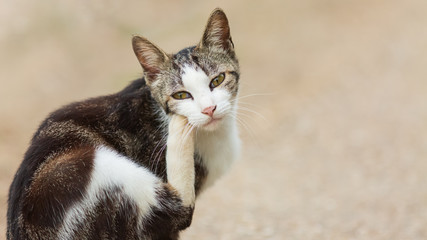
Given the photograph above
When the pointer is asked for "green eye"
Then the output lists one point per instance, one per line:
(181, 95)
(217, 81)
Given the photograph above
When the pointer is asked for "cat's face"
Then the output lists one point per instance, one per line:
(201, 82)
(204, 92)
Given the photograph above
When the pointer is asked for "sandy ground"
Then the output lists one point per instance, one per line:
(333, 105)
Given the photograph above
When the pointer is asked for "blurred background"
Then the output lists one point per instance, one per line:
(333, 105)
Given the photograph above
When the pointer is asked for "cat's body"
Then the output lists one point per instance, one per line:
(129, 165)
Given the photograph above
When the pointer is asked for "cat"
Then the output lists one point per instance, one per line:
(130, 165)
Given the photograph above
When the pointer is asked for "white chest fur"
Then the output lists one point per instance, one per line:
(218, 149)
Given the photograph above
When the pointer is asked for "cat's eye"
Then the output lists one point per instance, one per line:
(217, 81)
(181, 95)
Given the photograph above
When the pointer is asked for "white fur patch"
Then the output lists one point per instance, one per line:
(113, 170)
(219, 149)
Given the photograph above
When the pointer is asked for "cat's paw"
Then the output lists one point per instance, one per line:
(180, 159)
(180, 132)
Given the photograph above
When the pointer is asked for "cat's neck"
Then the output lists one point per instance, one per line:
(218, 149)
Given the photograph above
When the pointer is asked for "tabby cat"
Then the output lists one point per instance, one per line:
(130, 165)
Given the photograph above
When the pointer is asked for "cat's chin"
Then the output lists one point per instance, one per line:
(212, 124)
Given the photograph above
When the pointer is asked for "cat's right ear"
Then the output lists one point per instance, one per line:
(217, 32)
(151, 57)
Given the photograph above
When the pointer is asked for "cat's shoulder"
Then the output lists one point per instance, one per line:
(93, 110)
(137, 90)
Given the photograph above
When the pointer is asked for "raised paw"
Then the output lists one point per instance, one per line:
(180, 159)
(181, 133)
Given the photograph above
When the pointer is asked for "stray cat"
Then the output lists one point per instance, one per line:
(130, 165)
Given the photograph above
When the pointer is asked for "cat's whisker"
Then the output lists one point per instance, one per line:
(247, 118)
(256, 95)
(252, 111)
(246, 103)
(243, 123)
(253, 95)
(248, 129)
(157, 145)
(159, 156)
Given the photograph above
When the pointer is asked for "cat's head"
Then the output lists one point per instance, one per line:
(200, 82)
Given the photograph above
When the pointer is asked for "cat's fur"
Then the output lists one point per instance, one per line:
(129, 165)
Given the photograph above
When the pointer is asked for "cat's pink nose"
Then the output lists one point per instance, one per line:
(209, 110)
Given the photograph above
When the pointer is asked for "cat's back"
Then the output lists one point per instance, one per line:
(87, 149)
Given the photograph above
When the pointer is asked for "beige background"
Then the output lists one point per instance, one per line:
(333, 96)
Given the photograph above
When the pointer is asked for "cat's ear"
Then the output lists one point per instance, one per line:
(217, 32)
(151, 57)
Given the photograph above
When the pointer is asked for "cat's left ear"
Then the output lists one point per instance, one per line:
(151, 57)
(217, 32)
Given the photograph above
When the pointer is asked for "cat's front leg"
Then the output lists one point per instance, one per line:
(180, 159)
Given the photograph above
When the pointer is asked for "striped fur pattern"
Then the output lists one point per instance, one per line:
(130, 165)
